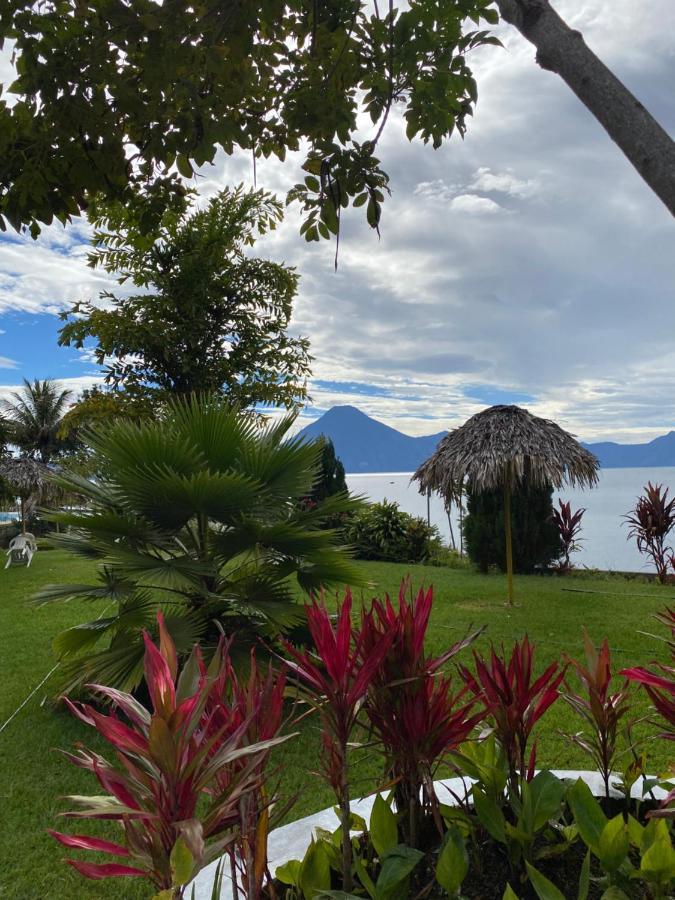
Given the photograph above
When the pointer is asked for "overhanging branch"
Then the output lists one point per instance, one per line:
(562, 50)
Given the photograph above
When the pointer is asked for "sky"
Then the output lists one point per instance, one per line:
(528, 263)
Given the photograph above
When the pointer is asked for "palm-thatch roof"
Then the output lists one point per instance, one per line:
(501, 444)
(24, 475)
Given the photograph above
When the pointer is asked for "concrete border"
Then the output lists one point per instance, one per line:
(290, 841)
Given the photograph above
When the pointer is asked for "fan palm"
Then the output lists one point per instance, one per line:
(34, 417)
(197, 513)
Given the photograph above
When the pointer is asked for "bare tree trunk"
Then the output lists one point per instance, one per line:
(562, 50)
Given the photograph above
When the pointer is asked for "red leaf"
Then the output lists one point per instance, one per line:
(104, 870)
(85, 842)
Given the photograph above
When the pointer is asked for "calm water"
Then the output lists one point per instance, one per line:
(605, 545)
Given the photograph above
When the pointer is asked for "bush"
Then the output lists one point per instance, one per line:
(198, 511)
(383, 531)
(536, 541)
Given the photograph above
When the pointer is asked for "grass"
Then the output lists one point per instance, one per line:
(34, 778)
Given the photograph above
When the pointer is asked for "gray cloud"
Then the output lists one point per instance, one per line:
(530, 256)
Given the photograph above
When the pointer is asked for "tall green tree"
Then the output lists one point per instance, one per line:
(535, 539)
(34, 416)
(117, 99)
(197, 512)
(208, 316)
(331, 479)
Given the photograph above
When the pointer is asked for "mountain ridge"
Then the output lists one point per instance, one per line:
(366, 445)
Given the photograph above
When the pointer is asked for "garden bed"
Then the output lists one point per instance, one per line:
(291, 841)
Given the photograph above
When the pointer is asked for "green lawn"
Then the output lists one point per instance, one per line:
(34, 777)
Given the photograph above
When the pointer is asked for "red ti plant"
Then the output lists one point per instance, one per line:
(660, 687)
(651, 522)
(601, 708)
(661, 690)
(336, 683)
(515, 700)
(168, 759)
(413, 711)
(568, 524)
(254, 707)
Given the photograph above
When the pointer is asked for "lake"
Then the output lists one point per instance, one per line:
(604, 537)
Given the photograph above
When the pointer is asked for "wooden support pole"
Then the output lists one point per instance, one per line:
(507, 532)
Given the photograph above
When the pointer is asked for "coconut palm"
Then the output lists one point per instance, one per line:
(500, 447)
(196, 513)
(34, 416)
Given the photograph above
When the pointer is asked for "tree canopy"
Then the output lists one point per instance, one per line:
(124, 99)
(120, 98)
(208, 318)
(33, 418)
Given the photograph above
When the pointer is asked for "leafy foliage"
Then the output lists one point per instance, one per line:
(411, 706)
(331, 479)
(209, 317)
(601, 708)
(253, 706)
(98, 405)
(169, 758)
(197, 513)
(568, 524)
(535, 538)
(660, 687)
(515, 700)
(650, 523)
(383, 531)
(33, 419)
(171, 86)
(337, 684)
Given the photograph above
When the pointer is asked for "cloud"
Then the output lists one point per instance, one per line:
(7, 363)
(504, 183)
(472, 203)
(528, 259)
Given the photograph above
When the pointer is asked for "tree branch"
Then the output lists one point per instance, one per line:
(562, 50)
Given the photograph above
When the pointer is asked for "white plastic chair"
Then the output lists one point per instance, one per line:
(21, 550)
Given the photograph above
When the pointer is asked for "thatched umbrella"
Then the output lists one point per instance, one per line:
(27, 477)
(498, 447)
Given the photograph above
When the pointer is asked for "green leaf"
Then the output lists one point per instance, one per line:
(289, 873)
(453, 862)
(335, 895)
(396, 867)
(489, 815)
(544, 888)
(182, 862)
(614, 893)
(546, 793)
(314, 872)
(658, 862)
(383, 828)
(509, 893)
(614, 843)
(587, 814)
(184, 166)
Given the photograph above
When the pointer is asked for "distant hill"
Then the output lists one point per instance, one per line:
(366, 445)
(659, 452)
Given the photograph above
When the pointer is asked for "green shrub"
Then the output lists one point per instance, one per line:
(536, 541)
(197, 512)
(383, 531)
(446, 557)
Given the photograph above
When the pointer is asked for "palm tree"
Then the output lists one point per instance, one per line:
(197, 512)
(34, 416)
